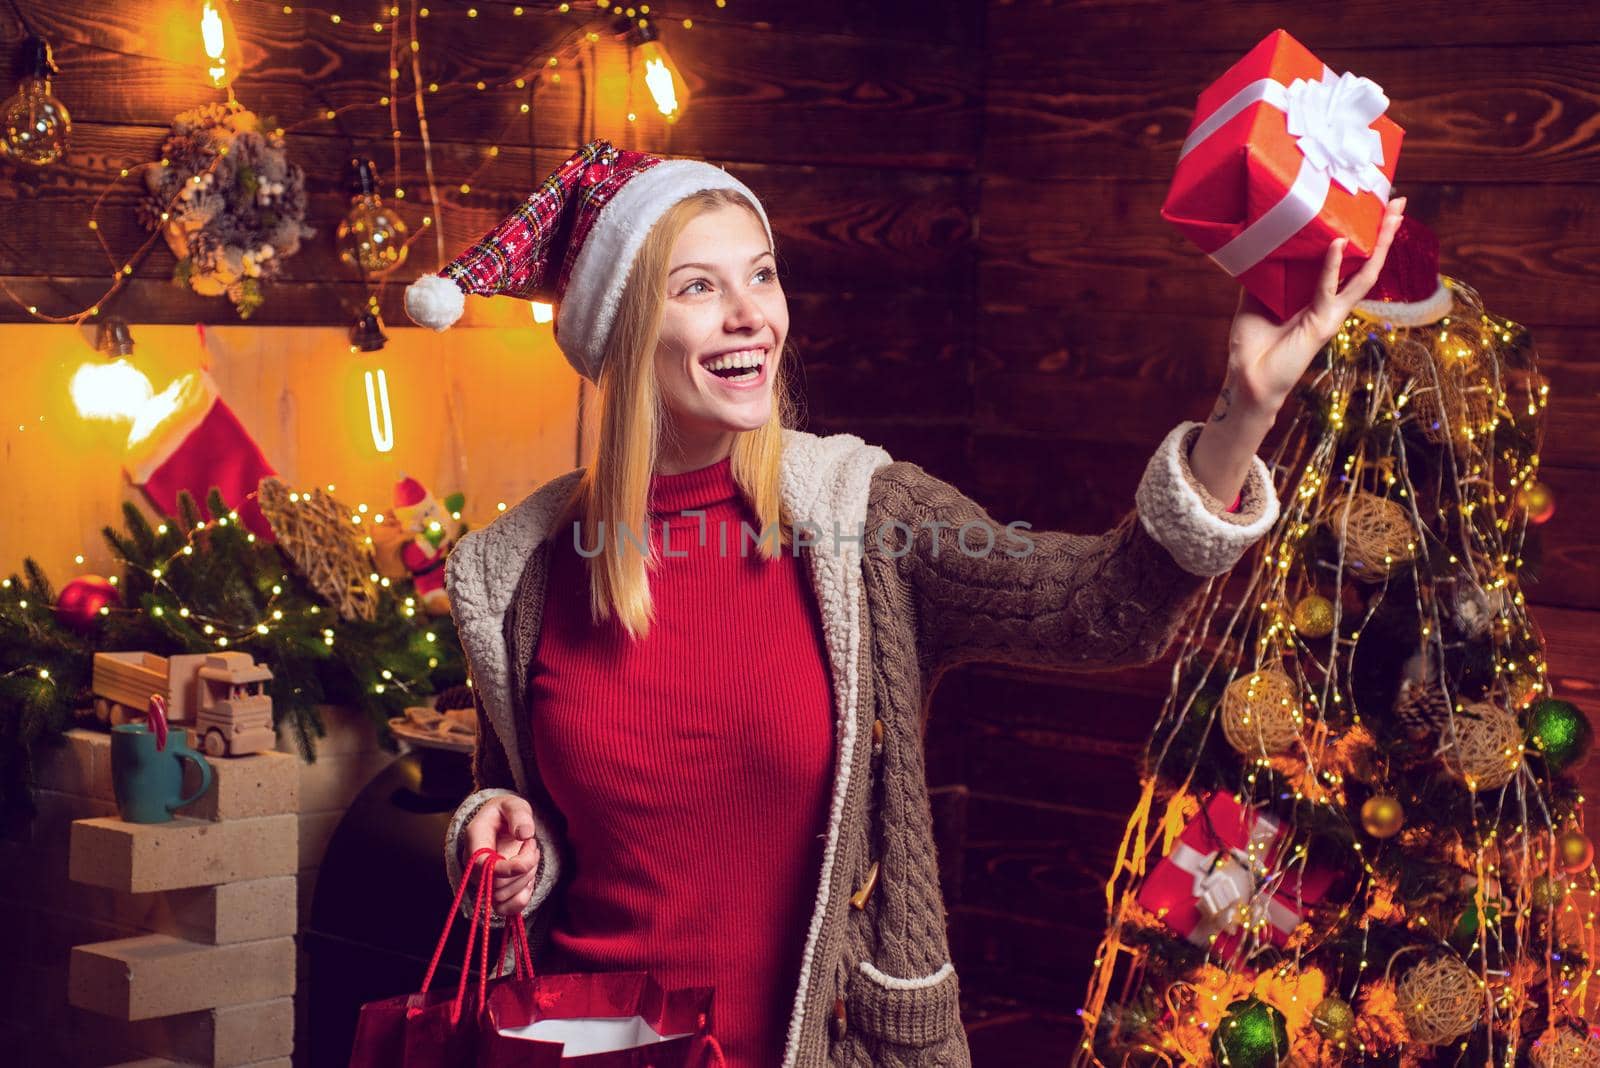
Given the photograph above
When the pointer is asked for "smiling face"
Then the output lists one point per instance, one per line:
(723, 324)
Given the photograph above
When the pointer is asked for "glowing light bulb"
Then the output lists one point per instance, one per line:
(36, 125)
(655, 74)
(220, 43)
(372, 237)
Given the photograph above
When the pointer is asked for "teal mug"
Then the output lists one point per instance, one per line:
(149, 783)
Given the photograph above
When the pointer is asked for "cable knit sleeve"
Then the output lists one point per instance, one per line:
(980, 590)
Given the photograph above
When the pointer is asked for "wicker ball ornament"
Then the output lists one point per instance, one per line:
(1482, 746)
(1441, 1000)
(1565, 1049)
(315, 532)
(1261, 714)
(1376, 532)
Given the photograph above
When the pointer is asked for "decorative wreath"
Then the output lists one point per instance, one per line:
(228, 202)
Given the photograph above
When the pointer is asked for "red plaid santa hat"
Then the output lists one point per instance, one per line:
(572, 243)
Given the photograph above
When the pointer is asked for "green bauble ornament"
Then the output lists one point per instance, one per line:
(1333, 1018)
(1466, 931)
(1251, 1035)
(1560, 732)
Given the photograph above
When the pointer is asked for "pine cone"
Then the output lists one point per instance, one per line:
(1421, 709)
(453, 697)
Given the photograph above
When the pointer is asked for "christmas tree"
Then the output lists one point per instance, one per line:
(1358, 839)
(308, 603)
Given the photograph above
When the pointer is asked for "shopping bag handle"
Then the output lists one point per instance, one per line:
(517, 932)
(483, 862)
(709, 1046)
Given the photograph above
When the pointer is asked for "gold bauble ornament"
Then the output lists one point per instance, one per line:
(1538, 502)
(1565, 1049)
(1382, 816)
(1441, 1000)
(1574, 851)
(1261, 714)
(1546, 893)
(1482, 746)
(1333, 1019)
(1313, 616)
(1377, 534)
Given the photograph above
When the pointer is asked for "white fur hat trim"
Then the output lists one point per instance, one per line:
(435, 302)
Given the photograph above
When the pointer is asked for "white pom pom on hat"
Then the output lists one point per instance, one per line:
(572, 243)
(435, 302)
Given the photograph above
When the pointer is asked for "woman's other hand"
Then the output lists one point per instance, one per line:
(505, 824)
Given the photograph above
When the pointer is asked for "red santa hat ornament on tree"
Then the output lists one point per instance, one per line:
(1409, 291)
(572, 242)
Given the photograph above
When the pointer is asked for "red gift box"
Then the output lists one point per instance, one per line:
(1225, 878)
(1283, 157)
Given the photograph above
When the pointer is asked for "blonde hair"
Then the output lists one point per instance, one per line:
(612, 496)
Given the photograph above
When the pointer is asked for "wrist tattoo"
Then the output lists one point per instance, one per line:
(1224, 402)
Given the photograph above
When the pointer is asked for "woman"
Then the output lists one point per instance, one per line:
(708, 764)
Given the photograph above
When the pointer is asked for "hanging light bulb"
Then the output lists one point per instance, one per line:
(114, 338)
(366, 335)
(36, 123)
(220, 43)
(372, 237)
(114, 390)
(654, 72)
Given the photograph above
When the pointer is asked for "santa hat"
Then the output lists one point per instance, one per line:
(408, 492)
(572, 243)
(1409, 290)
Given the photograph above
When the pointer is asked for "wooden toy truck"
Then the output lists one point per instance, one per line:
(220, 696)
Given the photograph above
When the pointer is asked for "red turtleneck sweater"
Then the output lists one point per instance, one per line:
(694, 768)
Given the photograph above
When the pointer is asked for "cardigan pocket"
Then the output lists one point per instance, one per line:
(907, 1014)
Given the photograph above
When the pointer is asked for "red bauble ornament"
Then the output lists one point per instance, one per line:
(80, 601)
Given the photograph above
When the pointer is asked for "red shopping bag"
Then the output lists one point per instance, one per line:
(605, 1020)
(432, 1028)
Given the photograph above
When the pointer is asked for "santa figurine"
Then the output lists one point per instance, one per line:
(430, 530)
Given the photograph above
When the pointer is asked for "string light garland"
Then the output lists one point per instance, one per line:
(1442, 425)
(190, 584)
(403, 23)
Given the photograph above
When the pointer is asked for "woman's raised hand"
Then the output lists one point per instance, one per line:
(505, 824)
(1266, 359)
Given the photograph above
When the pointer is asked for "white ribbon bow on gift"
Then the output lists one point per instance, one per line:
(1228, 886)
(1332, 122)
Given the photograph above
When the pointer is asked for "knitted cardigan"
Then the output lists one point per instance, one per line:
(876, 983)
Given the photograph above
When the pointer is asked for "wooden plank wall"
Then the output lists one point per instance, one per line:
(858, 124)
(1099, 329)
(1034, 364)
